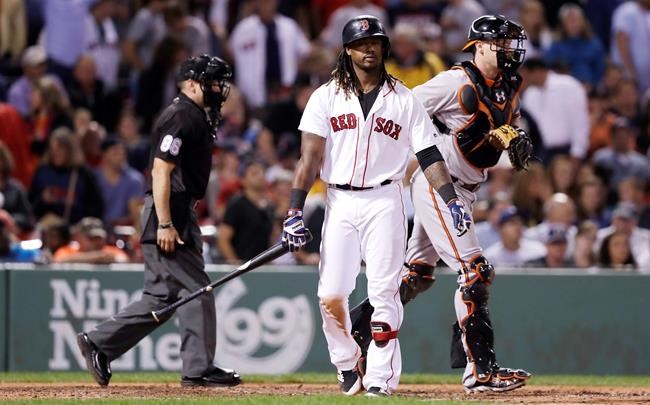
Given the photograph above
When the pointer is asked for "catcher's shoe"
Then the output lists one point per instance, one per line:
(377, 392)
(216, 377)
(349, 381)
(96, 361)
(493, 383)
(507, 373)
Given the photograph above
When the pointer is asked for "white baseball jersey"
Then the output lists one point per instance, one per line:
(440, 97)
(368, 225)
(365, 152)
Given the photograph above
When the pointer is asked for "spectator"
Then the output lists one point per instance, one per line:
(631, 190)
(122, 187)
(556, 244)
(281, 124)
(91, 144)
(561, 172)
(531, 17)
(224, 183)
(15, 134)
(86, 90)
(137, 148)
(11, 249)
(591, 199)
(601, 120)
(456, 17)
(62, 185)
(239, 131)
(487, 231)
(418, 13)
(90, 246)
(34, 64)
(102, 41)
(631, 37)
(615, 252)
(267, 49)
(621, 160)
(192, 31)
(577, 48)
(157, 84)
(599, 13)
(558, 103)
(49, 110)
(625, 219)
(530, 190)
(13, 29)
(146, 30)
(513, 249)
(559, 209)
(585, 241)
(65, 35)
(55, 235)
(248, 221)
(408, 61)
(331, 34)
(624, 100)
(13, 197)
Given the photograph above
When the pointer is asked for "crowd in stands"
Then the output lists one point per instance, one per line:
(82, 82)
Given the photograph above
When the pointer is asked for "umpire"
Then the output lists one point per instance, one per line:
(180, 163)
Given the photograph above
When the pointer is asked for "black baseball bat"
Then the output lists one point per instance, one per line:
(261, 259)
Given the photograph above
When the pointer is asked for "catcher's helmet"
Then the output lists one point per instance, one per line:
(365, 26)
(493, 27)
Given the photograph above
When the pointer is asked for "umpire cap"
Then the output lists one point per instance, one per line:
(364, 26)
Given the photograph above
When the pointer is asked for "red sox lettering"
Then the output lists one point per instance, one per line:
(343, 121)
(388, 127)
(349, 121)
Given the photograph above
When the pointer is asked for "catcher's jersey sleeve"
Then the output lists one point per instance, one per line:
(439, 95)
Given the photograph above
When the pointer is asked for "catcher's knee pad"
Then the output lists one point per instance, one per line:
(419, 279)
(382, 333)
(360, 318)
(479, 276)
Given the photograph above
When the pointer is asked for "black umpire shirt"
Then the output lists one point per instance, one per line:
(182, 135)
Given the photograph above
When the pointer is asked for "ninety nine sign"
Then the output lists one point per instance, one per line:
(256, 333)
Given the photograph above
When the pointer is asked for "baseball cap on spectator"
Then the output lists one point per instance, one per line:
(556, 233)
(34, 56)
(509, 214)
(92, 227)
(109, 143)
(625, 210)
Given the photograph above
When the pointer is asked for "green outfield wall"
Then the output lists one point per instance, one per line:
(269, 322)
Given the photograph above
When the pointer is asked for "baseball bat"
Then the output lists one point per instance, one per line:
(261, 259)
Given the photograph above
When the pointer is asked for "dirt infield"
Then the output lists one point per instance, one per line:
(537, 394)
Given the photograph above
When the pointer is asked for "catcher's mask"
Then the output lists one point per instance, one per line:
(505, 37)
(365, 26)
(208, 71)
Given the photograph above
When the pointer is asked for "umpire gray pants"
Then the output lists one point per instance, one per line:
(167, 277)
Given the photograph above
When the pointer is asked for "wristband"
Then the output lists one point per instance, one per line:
(298, 198)
(166, 226)
(448, 193)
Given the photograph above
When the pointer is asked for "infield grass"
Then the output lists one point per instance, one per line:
(321, 378)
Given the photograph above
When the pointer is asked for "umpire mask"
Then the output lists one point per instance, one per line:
(209, 71)
(506, 38)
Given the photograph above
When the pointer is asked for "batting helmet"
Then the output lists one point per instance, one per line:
(493, 27)
(364, 26)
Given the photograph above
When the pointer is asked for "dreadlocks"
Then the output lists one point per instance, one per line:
(345, 78)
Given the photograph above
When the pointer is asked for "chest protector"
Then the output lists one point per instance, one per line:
(490, 108)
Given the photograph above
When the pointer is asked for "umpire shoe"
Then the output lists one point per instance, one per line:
(96, 361)
(216, 377)
(377, 392)
(349, 381)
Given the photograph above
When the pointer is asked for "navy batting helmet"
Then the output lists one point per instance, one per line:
(364, 26)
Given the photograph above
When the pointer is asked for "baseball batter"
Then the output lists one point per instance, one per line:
(357, 131)
(476, 105)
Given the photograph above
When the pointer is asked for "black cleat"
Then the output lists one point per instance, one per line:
(349, 381)
(96, 361)
(217, 377)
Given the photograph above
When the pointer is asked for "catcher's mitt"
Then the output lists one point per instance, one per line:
(520, 150)
(501, 137)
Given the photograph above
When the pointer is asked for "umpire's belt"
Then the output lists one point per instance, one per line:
(355, 188)
(469, 187)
